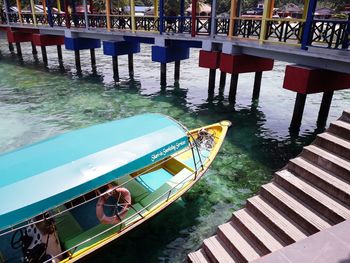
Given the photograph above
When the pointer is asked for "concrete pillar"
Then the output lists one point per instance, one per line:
(257, 85)
(324, 109)
(298, 111)
(34, 51)
(222, 80)
(77, 60)
(131, 65)
(93, 59)
(211, 83)
(233, 88)
(163, 74)
(115, 68)
(177, 71)
(19, 50)
(44, 54)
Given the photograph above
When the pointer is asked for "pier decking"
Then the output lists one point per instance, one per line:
(309, 195)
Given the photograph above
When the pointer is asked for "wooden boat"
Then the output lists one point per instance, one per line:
(72, 194)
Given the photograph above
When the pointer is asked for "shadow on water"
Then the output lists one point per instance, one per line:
(251, 153)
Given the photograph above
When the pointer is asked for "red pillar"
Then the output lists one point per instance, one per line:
(194, 15)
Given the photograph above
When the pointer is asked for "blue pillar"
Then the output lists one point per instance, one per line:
(161, 16)
(182, 14)
(307, 34)
(49, 12)
(347, 35)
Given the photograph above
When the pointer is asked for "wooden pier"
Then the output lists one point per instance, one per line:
(309, 195)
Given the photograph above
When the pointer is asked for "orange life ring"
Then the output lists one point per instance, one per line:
(121, 194)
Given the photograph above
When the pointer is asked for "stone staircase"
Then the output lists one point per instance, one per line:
(310, 194)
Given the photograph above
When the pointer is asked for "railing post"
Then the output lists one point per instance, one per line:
(194, 16)
(132, 11)
(346, 42)
(182, 14)
(155, 12)
(86, 15)
(74, 14)
(18, 2)
(268, 7)
(307, 34)
(232, 18)
(32, 7)
(108, 14)
(6, 6)
(161, 16)
(49, 9)
(59, 6)
(213, 19)
(66, 13)
(44, 9)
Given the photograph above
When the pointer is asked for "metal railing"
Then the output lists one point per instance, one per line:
(325, 33)
(329, 33)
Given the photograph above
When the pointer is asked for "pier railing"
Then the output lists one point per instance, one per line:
(330, 33)
(333, 34)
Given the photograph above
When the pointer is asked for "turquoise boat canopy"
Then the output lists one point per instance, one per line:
(39, 177)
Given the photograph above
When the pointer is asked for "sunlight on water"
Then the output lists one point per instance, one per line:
(38, 102)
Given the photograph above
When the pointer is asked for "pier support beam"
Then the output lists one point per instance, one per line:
(59, 54)
(115, 69)
(93, 59)
(34, 50)
(77, 60)
(177, 71)
(257, 85)
(233, 88)
(169, 54)
(222, 80)
(211, 82)
(131, 64)
(210, 60)
(163, 74)
(44, 55)
(298, 111)
(11, 47)
(324, 109)
(119, 48)
(19, 49)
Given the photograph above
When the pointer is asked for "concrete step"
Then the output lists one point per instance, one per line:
(334, 144)
(237, 242)
(216, 251)
(324, 180)
(341, 129)
(314, 197)
(327, 161)
(295, 209)
(260, 235)
(277, 221)
(346, 116)
(198, 256)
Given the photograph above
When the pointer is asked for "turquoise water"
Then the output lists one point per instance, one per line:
(37, 102)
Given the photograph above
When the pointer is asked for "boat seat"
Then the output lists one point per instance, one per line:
(137, 191)
(98, 229)
(153, 180)
(67, 226)
(181, 178)
(152, 200)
